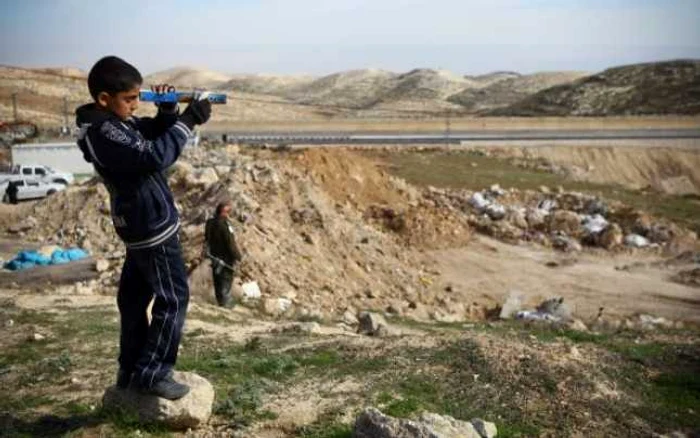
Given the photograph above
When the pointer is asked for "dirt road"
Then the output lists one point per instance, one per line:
(487, 270)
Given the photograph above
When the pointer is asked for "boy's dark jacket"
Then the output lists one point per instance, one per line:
(131, 157)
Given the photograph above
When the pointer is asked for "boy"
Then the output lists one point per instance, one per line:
(131, 155)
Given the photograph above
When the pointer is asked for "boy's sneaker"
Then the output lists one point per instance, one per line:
(123, 378)
(166, 388)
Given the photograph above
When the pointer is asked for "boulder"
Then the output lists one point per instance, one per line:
(371, 423)
(191, 411)
(512, 305)
(372, 324)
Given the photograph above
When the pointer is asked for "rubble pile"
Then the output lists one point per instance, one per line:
(563, 220)
(320, 250)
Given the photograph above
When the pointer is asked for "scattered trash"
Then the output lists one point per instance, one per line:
(594, 224)
(636, 241)
(251, 291)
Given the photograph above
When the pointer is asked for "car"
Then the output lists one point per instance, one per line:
(31, 189)
(38, 172)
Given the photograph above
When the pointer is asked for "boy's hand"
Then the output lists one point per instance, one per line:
(166, 107)
(196, 113)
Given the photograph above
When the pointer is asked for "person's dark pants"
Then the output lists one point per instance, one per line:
(222, 286)
(150, 351)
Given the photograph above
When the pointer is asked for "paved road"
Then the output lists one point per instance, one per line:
(452, 137)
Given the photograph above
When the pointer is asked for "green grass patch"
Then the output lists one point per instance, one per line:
(328, 425)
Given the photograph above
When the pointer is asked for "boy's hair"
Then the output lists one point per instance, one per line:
(112, 75)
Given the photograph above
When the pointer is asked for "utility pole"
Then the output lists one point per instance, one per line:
(65, 111)
(14, 106)
(447, 129)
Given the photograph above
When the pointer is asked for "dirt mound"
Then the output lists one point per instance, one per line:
(383, 199)
(671, 87)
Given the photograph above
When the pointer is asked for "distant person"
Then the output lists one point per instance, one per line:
(223, 251)
(131, 155)
(11, 191)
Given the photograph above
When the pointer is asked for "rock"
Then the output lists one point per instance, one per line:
(311, 327)
(191, 411)
(517, 218)
(536, 218)
(555, 307)
(83, 289)
(38, 337)
(371, 423)
(276, 306)
(544, 189)
(660, 234)
(495, 190)
(250, 291)
(349, 318)
(101, 265)
(372, 324)
(512, 305)
(485, 428)
(611, 237)
(566, 244)
(578, 325)
(565, 221)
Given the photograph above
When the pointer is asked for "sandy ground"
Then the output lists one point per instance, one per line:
(488, 270)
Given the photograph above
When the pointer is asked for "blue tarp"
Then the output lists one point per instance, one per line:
(29, 259)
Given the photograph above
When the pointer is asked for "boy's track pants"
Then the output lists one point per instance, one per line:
(150, 351)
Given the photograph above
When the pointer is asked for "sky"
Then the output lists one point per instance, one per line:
(324, 36)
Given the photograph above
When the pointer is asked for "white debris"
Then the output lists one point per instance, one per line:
(636, 241)
(594, 224)
(251, 291)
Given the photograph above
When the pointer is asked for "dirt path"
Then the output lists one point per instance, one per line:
(487, 270)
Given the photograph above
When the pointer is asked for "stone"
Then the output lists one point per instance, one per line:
(611, 237)
(566, 244)
(578, 325)
(485, 428)
(565, 221)
(517, 218)
(276, 306)
(536, 218)
(349, 318)
(372, 324)
(38, 337)
(555, 307)
(512, 305)
(191, 411)
(101, 265)
(311, 327)
(372, 423)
